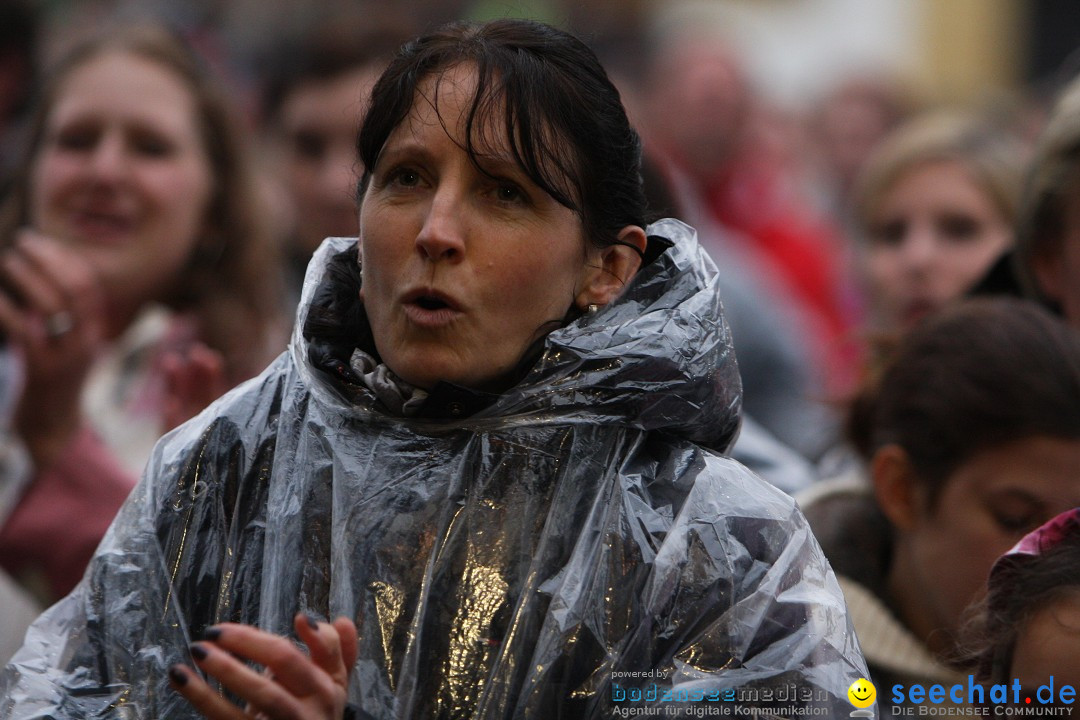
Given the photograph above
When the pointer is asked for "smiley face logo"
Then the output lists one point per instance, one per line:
(862, 693)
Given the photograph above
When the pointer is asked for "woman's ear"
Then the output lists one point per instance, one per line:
(896, 488)
(611, 268)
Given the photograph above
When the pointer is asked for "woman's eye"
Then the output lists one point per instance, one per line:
(1016, 522)
(890, 233)
(405, 177)
(1018, 525)
(959, 227)
(76, 139)
(152, 146)
(509, 193)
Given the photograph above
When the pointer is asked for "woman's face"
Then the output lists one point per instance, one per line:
(984, 508)
(122, 173)
(462, 271)
(934, 234)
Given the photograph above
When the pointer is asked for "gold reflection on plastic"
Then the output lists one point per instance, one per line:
(484, 591)
(223, 603)
(389, 604)
(698, 657)
(480, 595)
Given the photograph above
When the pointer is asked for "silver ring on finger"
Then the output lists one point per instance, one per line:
(58, 324)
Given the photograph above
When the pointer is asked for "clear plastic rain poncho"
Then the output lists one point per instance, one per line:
(578, 548)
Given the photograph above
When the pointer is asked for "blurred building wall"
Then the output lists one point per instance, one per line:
(945, 50)
(971, 49)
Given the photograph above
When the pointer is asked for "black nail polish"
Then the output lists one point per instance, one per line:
(211, 634)
(312, 623)
(178, 676)
(198, 651)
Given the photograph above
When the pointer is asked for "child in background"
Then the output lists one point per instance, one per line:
(1028, 626)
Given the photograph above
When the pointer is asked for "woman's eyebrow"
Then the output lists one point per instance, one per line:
(405, 148)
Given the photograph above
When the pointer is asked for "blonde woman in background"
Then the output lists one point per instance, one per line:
(935, 207)
(137, 284)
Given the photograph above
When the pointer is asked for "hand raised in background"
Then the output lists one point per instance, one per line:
(194, 378)
(52, 311)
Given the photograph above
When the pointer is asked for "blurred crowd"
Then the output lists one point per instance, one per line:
(168, 169)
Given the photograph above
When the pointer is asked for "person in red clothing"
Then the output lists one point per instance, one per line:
(51, 533)
(731, 161)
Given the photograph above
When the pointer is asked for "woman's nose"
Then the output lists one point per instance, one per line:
(920, 247)
(443, 237)
(108, 162)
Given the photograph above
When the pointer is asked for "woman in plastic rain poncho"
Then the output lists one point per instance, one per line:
(495, 445)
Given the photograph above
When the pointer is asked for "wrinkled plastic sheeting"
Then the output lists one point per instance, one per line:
(568, 544)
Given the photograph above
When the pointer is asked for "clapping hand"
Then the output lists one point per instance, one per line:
(293, 684)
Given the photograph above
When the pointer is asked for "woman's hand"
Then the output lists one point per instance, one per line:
(293, 685)
(52, 309)
(193, 379)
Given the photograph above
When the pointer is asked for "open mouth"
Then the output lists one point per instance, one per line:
(428, 302)
(430, 299)
(431, 308)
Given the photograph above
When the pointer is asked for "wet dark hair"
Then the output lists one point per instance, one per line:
(977, 375)
(564, 118)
